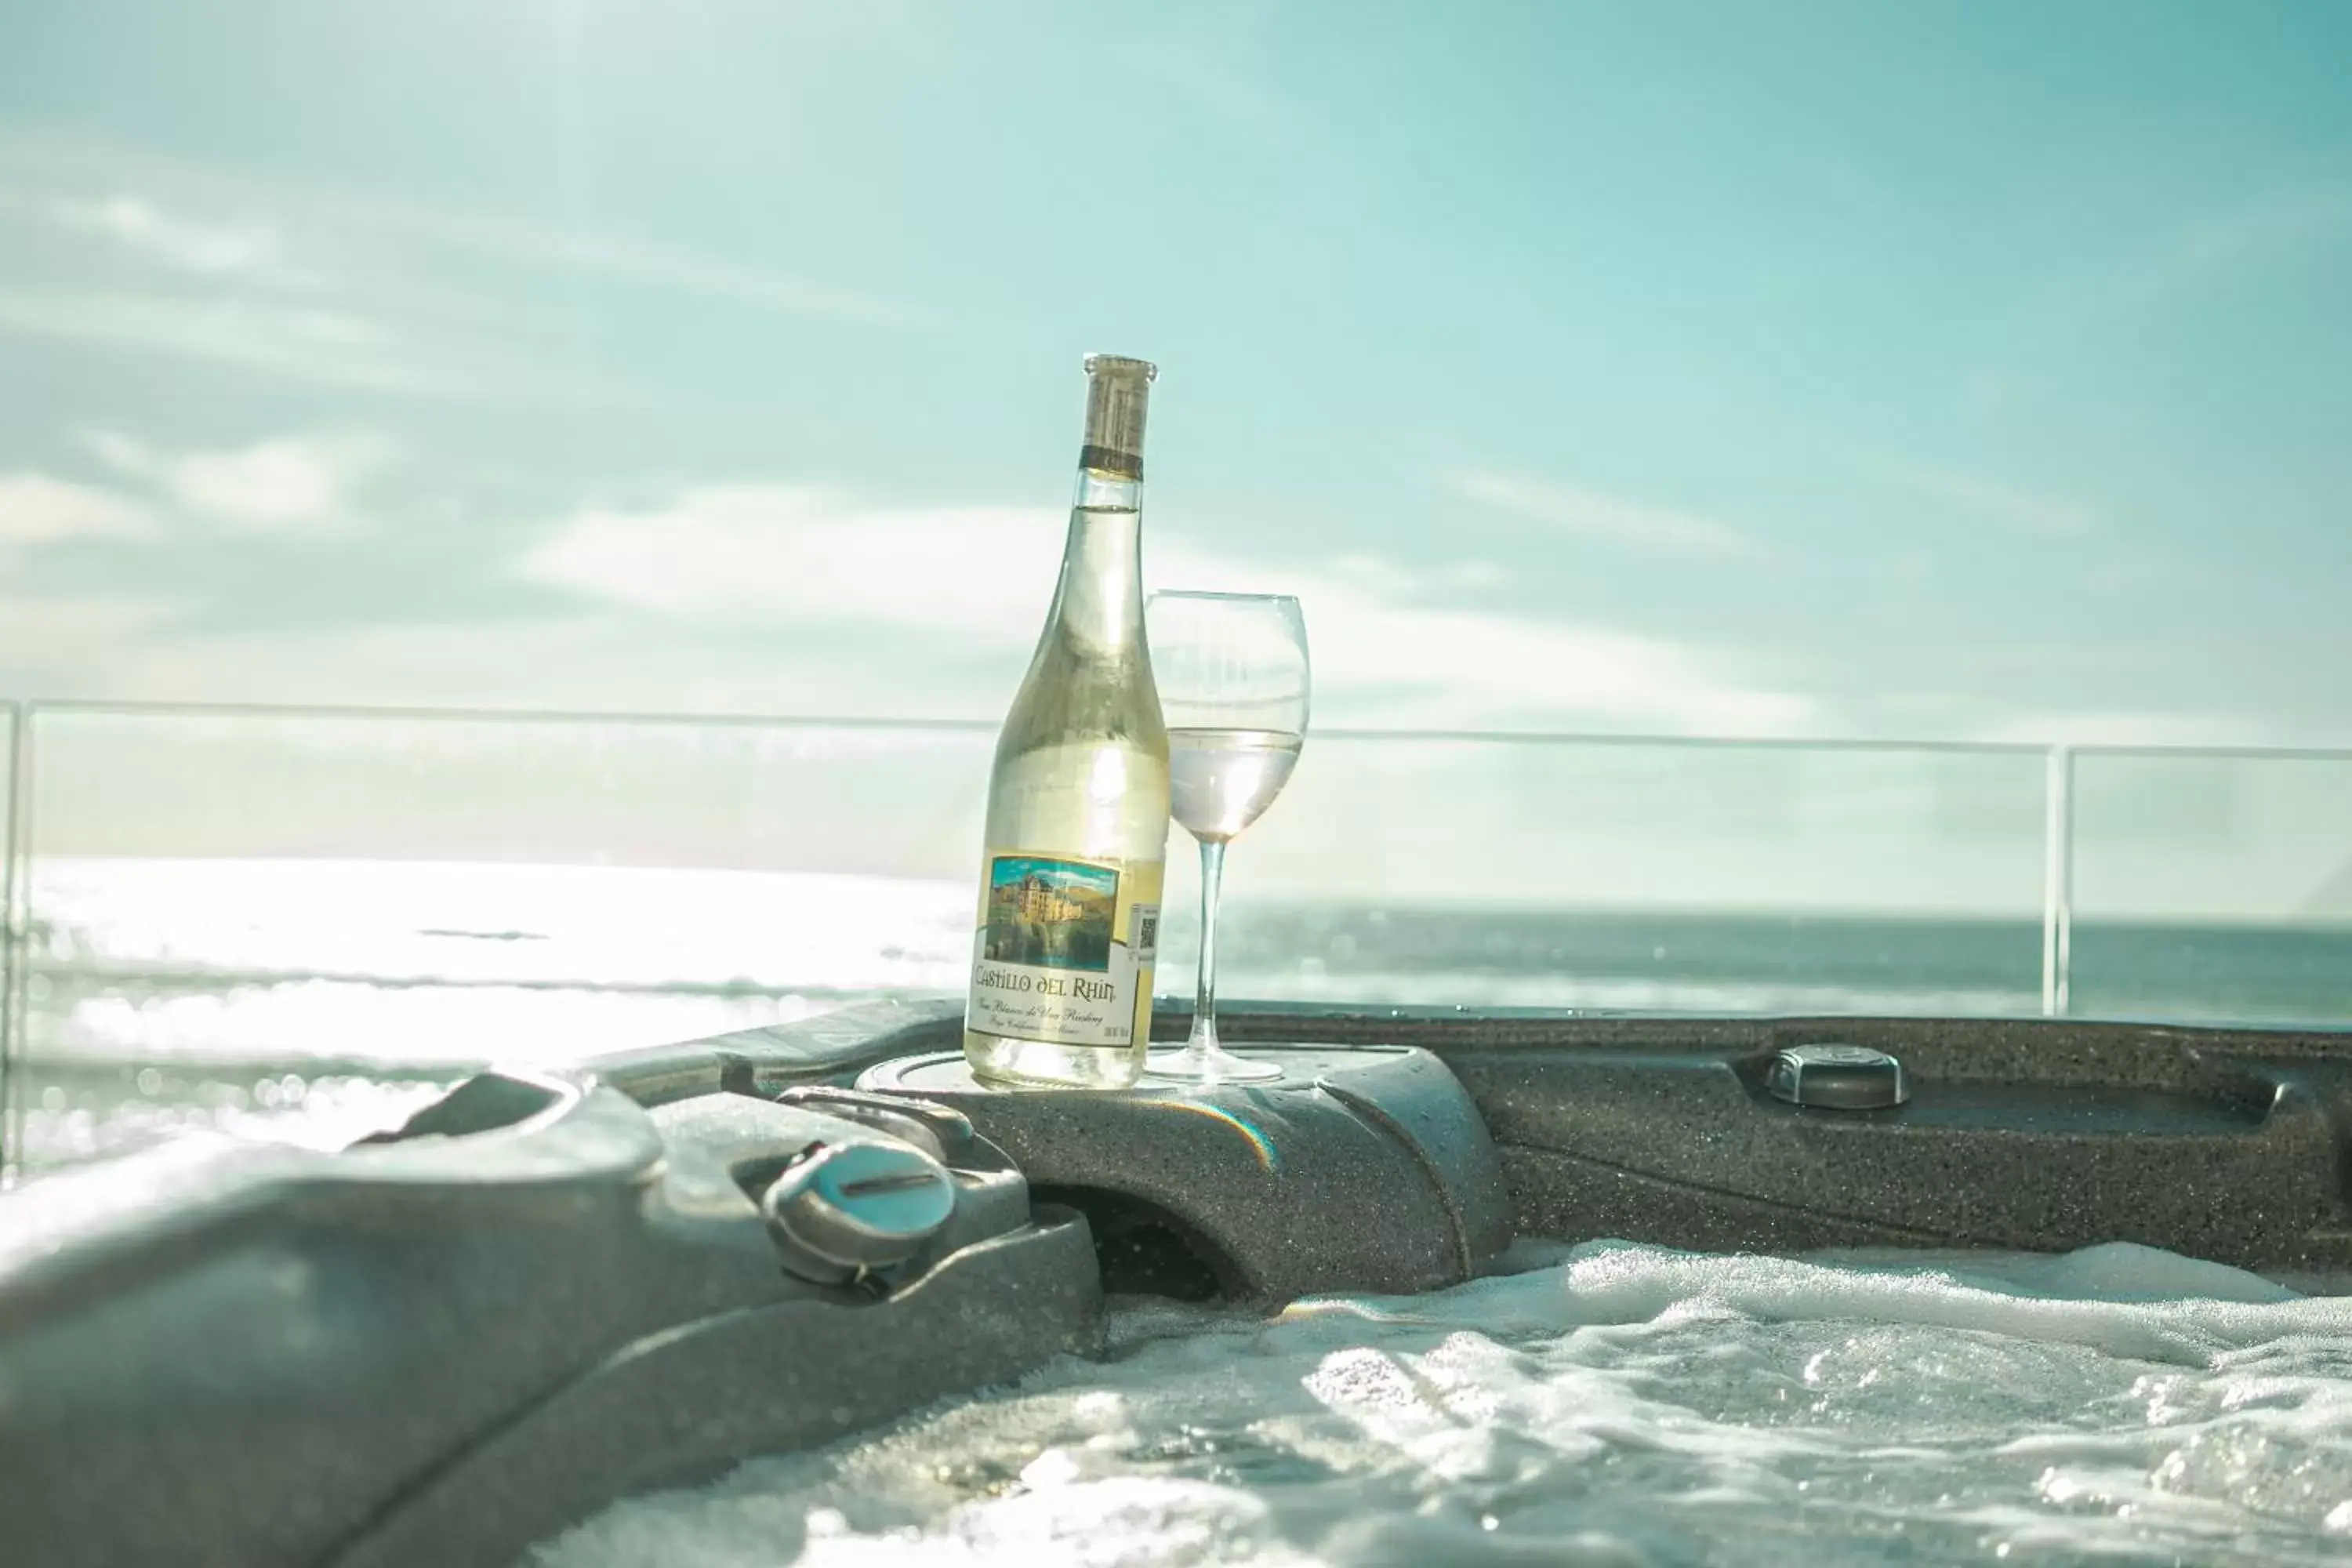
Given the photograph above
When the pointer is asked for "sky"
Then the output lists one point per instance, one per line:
(1942, 371)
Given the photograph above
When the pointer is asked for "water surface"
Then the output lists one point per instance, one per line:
(1613, 1404)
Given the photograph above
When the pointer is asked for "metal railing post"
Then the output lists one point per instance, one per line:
(2057, 881)
(16, 932)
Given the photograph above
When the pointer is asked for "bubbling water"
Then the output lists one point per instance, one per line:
(1609, 1403)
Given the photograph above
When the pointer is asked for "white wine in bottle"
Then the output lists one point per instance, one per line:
(1077, 805)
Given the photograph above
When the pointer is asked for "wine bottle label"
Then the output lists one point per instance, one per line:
(1065, 950)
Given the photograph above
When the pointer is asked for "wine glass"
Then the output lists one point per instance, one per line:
(1232, 673)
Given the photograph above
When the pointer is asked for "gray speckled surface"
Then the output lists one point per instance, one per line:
(1364, 1169)
(2223, 1145)
(440, 1347)
(2217, 1142)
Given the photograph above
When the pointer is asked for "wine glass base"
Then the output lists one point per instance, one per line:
(1214, 1066)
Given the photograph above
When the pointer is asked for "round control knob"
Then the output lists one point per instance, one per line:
(1841, 1077)
(849, 1208)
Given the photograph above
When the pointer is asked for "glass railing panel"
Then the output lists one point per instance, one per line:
(1498, 871)
(231, 910)
(2214, 888)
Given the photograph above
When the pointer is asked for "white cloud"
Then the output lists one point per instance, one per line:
(326, 287)
(1598, 516)
(812, 556)
(535, 249)
(1994, 501)
(295, 340)
(1391, 579)
(980, 577)
(60, 645)
(36, 508)
(1384, 659)
(290, 483)
(188, 245)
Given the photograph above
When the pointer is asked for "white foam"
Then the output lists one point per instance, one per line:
(1609, 1403)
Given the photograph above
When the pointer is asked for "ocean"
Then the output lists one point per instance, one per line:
(321, 997)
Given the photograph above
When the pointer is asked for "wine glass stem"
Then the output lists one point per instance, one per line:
(1203, 1040)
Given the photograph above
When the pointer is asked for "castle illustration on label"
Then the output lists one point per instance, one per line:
(1052, 915)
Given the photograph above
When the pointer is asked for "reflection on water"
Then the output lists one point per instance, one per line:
(169, 993)
(1613, 1405)
(479, 923)
(71, 1114)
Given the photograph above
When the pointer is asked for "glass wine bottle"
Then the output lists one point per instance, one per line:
(1077, 838)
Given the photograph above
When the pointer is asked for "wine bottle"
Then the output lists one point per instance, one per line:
(1077, 804)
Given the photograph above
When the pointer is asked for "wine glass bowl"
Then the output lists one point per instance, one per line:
(1233, 674)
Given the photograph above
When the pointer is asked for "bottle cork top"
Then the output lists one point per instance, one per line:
(1116, 391)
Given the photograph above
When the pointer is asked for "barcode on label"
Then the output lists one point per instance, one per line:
(1147, 933)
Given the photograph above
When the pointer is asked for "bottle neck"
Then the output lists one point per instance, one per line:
(1101, 601)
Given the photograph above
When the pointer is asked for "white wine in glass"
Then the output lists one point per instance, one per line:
(1233, 675)
(1221, 781)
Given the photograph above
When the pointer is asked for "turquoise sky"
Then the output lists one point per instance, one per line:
(1931, 370)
